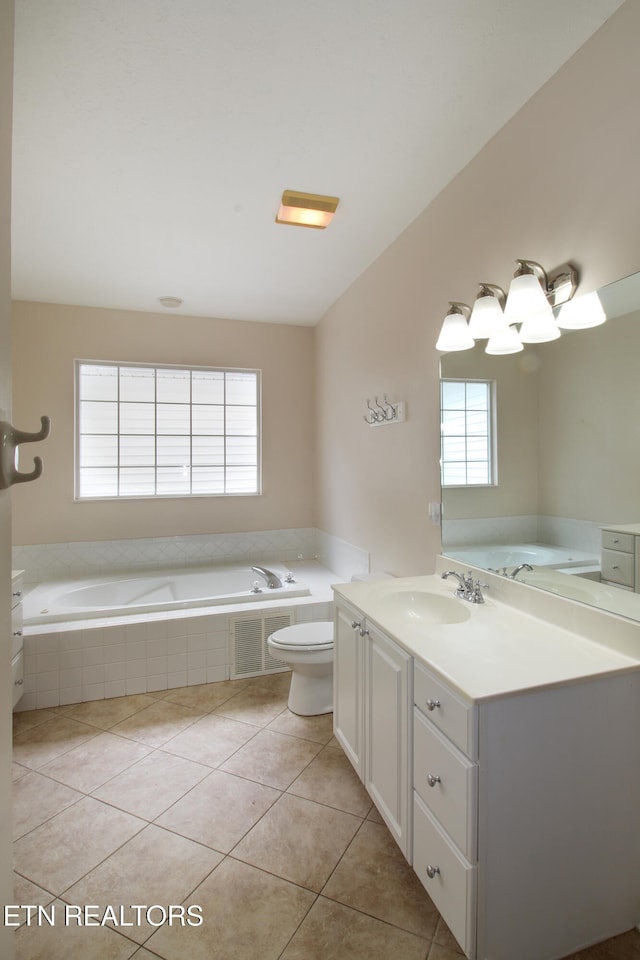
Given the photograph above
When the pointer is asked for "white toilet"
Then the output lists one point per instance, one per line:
(308, 649)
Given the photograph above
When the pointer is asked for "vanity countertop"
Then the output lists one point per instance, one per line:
(632, 528)
(498, 650)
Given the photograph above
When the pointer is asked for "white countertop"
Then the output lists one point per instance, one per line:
(497, 651)
(633, 528)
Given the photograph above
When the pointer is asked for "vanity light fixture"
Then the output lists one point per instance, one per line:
(454, 334)
(487, 316)
(581, 313)
(306, 209)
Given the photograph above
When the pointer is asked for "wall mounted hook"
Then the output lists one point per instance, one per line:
(10, 439)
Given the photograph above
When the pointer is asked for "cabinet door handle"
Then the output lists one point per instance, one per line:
(364, 633)
(18, 683)
(432, 704)
(355, 625)
(432, 871)
(17, 633)
(17, 593)
(433, 780)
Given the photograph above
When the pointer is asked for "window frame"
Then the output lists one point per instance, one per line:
(79, 363)
(492, 447)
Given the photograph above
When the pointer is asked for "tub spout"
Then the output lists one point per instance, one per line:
(273, 582)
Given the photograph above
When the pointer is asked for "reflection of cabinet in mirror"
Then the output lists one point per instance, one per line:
(620, 549)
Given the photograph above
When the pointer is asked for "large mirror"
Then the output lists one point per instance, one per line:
(567, 443)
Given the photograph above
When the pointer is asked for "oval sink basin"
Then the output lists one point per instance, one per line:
(422, 607)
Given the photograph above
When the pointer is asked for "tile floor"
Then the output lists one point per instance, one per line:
(213, 796)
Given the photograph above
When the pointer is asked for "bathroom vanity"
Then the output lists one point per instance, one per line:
(502, 752)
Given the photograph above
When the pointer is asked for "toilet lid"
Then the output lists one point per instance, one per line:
(305, 634)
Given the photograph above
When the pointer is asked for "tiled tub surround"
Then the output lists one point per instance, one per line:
(214, 795)
(85, 660)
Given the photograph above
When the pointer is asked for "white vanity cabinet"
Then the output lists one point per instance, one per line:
(17, 662)
(372, 701)
(519, 809)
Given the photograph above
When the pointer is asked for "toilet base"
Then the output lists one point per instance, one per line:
(310, 696)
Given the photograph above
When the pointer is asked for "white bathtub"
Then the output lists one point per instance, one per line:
(120, 595)
(495, 556)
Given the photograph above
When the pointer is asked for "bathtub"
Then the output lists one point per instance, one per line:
(495, 556)
(151, 592)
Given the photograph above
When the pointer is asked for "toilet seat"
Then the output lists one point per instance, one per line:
(316, 636)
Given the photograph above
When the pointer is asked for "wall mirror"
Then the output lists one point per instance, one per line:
(567, 441)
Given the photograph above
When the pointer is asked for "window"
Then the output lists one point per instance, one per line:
(466, 433)
(156, 431)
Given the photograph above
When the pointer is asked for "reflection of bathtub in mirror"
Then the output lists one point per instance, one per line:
(497, 556)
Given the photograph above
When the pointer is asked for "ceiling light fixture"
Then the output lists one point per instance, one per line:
(306, 209)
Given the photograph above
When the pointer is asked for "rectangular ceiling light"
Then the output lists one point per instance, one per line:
(306, 209)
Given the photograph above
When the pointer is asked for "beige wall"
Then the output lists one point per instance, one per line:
(558, 183)
(590, 424)
(6, 88)
(47, 339)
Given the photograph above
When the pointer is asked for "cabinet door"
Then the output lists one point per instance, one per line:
(388, 700)
(348, 684)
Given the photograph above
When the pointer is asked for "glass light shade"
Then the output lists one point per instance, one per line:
(581, 313)
(504, 341)
(454, 334)
(526, 299)
(539, 329)
(486, 318)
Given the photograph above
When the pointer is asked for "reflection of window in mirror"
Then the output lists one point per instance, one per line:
(467, 435)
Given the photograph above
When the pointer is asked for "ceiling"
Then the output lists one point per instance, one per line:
(153, 138)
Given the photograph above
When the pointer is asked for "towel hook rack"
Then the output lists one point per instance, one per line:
(10, 439)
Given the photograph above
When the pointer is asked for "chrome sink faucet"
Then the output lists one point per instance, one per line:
(273, 582)
(468, 589)
(516, 570)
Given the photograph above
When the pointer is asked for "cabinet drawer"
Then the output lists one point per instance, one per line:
(618, 567)
(16, 629)
(451, 714)
(453, 887)
(17, 673)
(624, 542)
(447, 783)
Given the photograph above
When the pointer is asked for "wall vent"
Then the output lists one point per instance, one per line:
(250, 655)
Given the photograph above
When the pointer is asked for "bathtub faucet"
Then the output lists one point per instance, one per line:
(273, 582)
(521, 566)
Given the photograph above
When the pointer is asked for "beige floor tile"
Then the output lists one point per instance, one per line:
(152, 784)
(36, 799)
(106, 713)
(154, 867)
(319, 729)
(40, 744)
(211, 740)
(277, 682)
(331, 779)
(64, 941)
(156, 724)
(272, 758)
(255, 704)
(219, 810)
(374, 877)
(440, 952)
(299, 840)
(248, 915)
(334, 932)
(446, 941)
(26, 719)
(29, 893)
(18, 771)
(205, 696)
(94, 762)
(63, 849)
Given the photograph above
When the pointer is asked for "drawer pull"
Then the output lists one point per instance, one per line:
(433, 780)
(615, 540)
(432, 871)
(615, 567)
(17, 633)
(17, 593)
(432, 704)
(18, 683)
